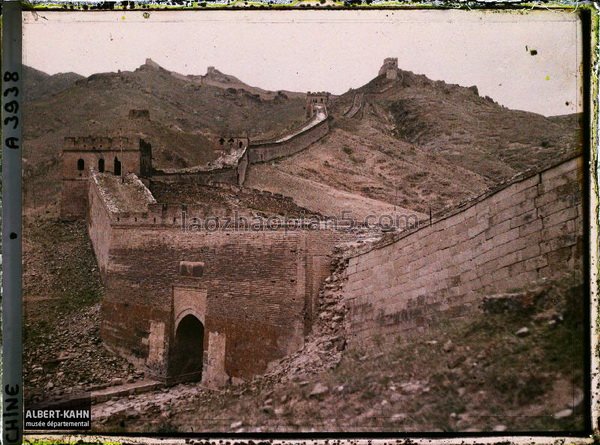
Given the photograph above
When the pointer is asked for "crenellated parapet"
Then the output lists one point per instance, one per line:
(318, 96)
(101, 143)
(232, 143)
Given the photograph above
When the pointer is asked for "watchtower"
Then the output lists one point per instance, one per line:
(389, 68)
(231, 144)
(315, 98)
(117, 155)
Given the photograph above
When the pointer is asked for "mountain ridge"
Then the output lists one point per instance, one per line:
(405, 145)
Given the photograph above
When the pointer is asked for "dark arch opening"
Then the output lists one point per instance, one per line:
(221, 141)
(117, 166)
(240, 144)
(188, 349)
(101, 165)
(80, 164)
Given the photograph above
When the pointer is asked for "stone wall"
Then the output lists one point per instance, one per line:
(242, 167)
(389, 68)
(226, 175)
(529, 230)
(257, 151)
(254, 151)
(99, 227)
(267, 151)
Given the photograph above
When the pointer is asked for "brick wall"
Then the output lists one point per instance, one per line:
(529, 230)
(258, 286)
(130, 161)
(76, 165)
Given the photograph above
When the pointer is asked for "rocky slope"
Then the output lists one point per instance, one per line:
(62, 290)
(512, 366)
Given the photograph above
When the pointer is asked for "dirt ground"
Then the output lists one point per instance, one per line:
(505, 368)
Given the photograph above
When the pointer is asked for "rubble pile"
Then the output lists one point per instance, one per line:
(73, 359)
(324, 346)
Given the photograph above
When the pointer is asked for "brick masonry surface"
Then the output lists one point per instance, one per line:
(531, 229)
(259, 287)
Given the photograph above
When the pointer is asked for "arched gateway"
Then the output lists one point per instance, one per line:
(188, 349)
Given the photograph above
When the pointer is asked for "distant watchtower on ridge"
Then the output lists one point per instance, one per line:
(389, 68)
(315, 98)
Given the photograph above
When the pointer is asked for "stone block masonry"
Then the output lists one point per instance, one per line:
(529, 230)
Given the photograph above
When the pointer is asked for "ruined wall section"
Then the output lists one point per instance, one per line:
(225, 175)
(531, 229)
(81, 154)
(389, 68)
(195, 217)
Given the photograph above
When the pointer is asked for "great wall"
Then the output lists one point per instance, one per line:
(224, 291)
(528, 230)
(255, 290)
(249, 298)
(231, 167)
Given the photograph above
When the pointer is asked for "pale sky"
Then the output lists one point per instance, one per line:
(327, 50)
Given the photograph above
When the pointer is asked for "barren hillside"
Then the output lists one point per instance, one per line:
(409, 142)
(186, 118)
(40, 84)
(417, 143)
